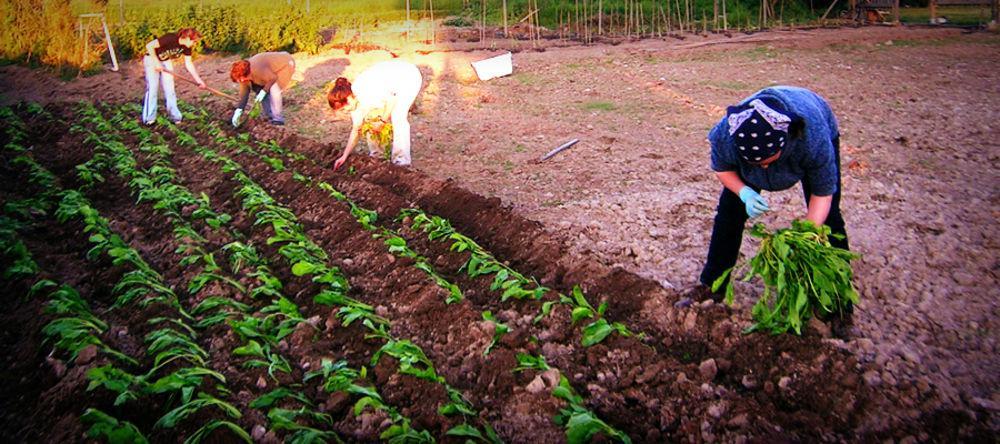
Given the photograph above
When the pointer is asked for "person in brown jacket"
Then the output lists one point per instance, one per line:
(267, 74)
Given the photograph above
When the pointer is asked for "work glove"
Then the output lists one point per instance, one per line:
(755, 203)
(236, 117)
(260, 96)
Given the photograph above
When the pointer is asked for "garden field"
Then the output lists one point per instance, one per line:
(192, 282)
(250, 293)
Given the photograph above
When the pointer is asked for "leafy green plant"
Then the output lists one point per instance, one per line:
(499, 329)
(529, 362)
(224, 308)
(508, 281)
(184, 380)
(337, 377)
(802, 273)
(202, 433)
(580, 423)
(596, 331)
(412, 360)
(127, 386)
(271, 398)
(204, 400)
(471, 432)
(269, 360)
(397, 246)
(111, 429)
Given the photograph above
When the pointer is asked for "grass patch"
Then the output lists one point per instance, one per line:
(759, 53)
(957, 15)
(734, 85)
(527, 78)
(599, 106)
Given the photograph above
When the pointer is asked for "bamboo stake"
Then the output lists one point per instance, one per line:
(668, 21)
(642, 18)
(659, 21)
(687, 14)
(669, 24)
(715, 15)
(725, 21)
(560, 23)
(600, 17)
(576, 12)
(537, 28)
(505, 32)
(628, 16)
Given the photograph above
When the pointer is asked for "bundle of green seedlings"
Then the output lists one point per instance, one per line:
(802, 273)
(379, 131)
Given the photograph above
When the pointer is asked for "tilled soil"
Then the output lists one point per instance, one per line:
(627, 214)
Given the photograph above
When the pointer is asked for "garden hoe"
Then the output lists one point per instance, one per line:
(191, 81)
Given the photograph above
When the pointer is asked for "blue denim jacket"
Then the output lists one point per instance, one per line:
(809, 157)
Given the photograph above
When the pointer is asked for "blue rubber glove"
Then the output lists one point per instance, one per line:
(755, 203)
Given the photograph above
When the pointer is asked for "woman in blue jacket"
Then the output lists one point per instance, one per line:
(770, 141)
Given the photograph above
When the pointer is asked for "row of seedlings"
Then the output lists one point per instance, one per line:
(178, 364)
(579, 422)
(259, 332)
(75, 327)
(308, 259)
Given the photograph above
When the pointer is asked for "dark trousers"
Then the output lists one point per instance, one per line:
(731, 217)
(266, 103)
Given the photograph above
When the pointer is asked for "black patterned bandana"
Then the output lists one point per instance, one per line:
(758, 131)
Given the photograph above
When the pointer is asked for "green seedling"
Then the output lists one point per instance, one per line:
(499, 329)
(412, 360)
(269, 360)
(110, 429)
(528, 362)
(128, 387)
(204, 400)
(472, 433)
(206, 430)
(337, 377)
(581, 424)
(271, 398)
(456, 405)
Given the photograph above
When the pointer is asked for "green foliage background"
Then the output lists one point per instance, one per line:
(44, 32)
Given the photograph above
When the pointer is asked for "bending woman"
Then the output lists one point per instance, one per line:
(385, 92)
(159, 55)
(772, 140)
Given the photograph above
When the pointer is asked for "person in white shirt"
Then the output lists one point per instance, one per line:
(384, 92)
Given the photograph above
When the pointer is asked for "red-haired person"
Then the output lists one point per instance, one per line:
(267, 74)
(384, 91)
(160, 54)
